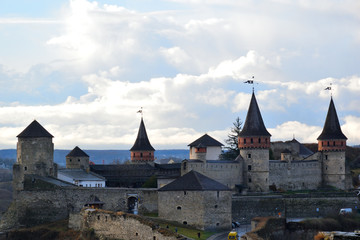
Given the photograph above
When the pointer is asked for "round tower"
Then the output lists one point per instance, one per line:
(205, 148)
(35, 154)
(142, 151)
(254, 144)
(78, 159)
(332, 146)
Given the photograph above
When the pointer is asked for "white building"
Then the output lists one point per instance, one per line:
(81, 177)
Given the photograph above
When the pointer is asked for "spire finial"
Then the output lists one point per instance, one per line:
(330, 89)
(251, 81)
(141, 111)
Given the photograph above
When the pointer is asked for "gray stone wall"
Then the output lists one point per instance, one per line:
(119, 225)
(33, 207)
(35, 156)
(295, 175)
(210, 210)
(227, 173)
(244, 208)
(334, 169)
(256, 169)
(77, 162)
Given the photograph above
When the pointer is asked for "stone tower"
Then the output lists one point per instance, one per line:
(77, 158)
(35, 154)
(254, 144)
(205, 148)
(142, 151)
(332, 146)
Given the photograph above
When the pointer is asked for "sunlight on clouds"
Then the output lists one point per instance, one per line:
(302, 132)
(351, 129)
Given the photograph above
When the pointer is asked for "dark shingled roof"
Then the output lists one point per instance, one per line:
(142, 142)
(77, 152)
(205, 141)
(254, 124)
(34, 130)
(331, 128)
(194, 181)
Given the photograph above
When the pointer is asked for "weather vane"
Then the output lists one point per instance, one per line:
(329, 88)
(251, 81)
(141, 111)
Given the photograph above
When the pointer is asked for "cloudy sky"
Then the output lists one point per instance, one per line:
(84, 68)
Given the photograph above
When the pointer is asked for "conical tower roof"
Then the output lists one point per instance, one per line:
(77, 152)
(34, 130)
(254, 124)
(142, 142)
(332, 129)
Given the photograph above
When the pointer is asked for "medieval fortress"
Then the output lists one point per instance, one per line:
(202, 191)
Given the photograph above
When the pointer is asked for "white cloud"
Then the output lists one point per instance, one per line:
(302, 132)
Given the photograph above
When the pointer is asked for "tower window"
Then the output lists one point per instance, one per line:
(266, 140)
(244, 140)
(251, 140)
(249, 180)
(326, 157)
(70, 160)
(184, 192)
(259, 140)
(249, 155)
(150, 154)
(334, 143)
(184, 166)
(25, 168)
(249, 167)
(178, 208)
(328, 143)
(141, 154)
(78, 159)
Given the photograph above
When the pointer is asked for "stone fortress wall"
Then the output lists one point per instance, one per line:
(119, 225)
(227, 173)
(244, 208)
(40, 203)
(295, 175)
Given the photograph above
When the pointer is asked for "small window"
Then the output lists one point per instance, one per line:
(25, 168)
(249, 155)
(342, 143)
(217, 224)
(78, 159)
(184, 192)
(334, 143)
(178, 208)
(259, 140)
(185, 222)
(216, 206)
(70, 160)
(136, 234)
(328, 143)
(244, 140)
(326, 157)
(249, 180)
(251, 140)
(266, 140)
(218, 194)
(150, 154)
(184, 166)
(249, 167)
(141, 154)
(98, 217)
